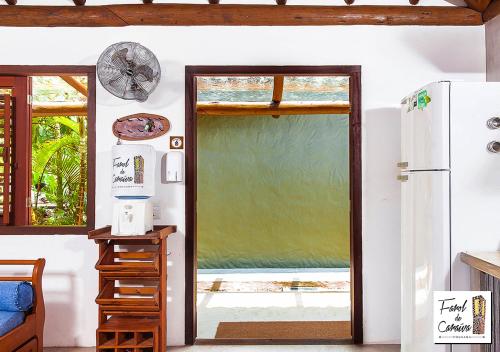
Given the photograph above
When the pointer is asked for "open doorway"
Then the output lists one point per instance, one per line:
(273, 207)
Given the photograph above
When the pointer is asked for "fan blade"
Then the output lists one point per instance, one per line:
(141, 96)
(138, 91)
(118, 85)
(119, 59)
(144, 73)
(113, 81)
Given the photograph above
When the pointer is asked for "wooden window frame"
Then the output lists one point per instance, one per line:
(22, 151)
(355, 171)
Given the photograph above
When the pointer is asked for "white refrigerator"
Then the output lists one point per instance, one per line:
(450, 197)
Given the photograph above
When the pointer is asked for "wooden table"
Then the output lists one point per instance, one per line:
(485, 276)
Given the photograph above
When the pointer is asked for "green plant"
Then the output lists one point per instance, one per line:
(59, 170)
(59, 157)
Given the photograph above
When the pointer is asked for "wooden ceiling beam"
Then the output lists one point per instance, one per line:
(262, 108)
(234, 15)
(492, 11)
(478, 5)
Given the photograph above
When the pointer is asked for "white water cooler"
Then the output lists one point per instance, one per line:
(133, 184)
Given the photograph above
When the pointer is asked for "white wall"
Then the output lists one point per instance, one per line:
(395, 61)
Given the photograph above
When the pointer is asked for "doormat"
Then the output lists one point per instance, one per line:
(286, 330)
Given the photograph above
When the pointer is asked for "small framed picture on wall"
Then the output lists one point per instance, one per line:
(176, 142)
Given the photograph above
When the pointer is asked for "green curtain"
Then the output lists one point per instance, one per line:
(273, 193)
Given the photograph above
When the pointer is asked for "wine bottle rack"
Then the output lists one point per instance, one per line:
(132, 296)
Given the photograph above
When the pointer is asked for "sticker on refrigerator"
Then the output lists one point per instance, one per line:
(423, 100)
(412, 103)
(462, 317)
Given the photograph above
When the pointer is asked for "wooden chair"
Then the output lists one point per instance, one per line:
(27, 337)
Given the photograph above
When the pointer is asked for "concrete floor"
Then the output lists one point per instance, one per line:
(340, 348)
(239, 302)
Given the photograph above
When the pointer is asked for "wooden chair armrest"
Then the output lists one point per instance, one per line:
(19, 262)
(34, 323)
(36, 282)
(35, 279)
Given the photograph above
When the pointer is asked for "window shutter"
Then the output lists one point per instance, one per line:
(6, 113)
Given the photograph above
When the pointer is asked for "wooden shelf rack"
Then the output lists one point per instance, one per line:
(132, 295)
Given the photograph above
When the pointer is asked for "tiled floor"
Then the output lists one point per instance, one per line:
(340, 348)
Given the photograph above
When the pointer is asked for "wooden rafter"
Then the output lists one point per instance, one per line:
(492, 11)
(278, 83)
(478, 5)
(73, 82)
(234, 15)
(59, 109)
(260, 109)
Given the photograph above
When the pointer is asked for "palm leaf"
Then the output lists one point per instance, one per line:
(63, 120)
(49, 149)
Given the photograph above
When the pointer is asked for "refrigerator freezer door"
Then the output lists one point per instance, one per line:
(425, 128)
(425, 255)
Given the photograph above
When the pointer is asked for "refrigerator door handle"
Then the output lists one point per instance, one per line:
(402, 164)
(493, 147)
(402, 178)
(493, 123)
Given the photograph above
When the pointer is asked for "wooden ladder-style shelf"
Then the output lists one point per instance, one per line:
(132, 295)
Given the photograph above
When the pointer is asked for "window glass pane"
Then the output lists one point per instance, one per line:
(59, 153)
(250, 89)
(316, 88)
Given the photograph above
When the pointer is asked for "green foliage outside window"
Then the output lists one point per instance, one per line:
(59, 157)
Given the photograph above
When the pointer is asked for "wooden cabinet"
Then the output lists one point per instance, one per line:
(132, 294)
(485, 276)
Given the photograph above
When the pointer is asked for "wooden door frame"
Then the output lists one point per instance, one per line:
(354, 72)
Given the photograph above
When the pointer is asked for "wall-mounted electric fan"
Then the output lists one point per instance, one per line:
(129, 71)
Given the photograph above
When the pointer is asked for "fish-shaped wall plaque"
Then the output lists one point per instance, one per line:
(139, 127)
